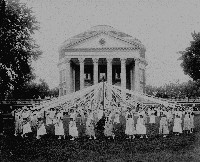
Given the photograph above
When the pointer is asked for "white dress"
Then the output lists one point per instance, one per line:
(130, 128)
(59, 130)
(192, 121)
(177, 125)
(140, 127)
(186, 124)
(41, 130)
(27, 128)
(73, 129)
(152, 118)
(163, 129)
(89, 125)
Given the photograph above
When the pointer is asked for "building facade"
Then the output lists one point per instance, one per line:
(101, 53)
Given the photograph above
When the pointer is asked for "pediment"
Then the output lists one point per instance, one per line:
(102, 41)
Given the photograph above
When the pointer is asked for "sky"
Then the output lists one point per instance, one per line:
(164, 27)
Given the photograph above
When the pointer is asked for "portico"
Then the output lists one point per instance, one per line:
(101, 53)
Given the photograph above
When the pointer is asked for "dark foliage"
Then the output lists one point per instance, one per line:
(18, 48)
(191, 58)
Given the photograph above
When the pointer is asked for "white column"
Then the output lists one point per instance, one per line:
(82, 81)
(109, 70)
(137, 75)
(95, 70)
(68, 76)
(123, 73)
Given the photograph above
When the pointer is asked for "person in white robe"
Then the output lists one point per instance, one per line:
(26, 128)
(51, 116)
(163, 129)
(152, 117)
(140, 126)
(108, 131)
(18, 122)
(59, 130)
(41, 129)
(186, 124)
(73, 131)
(130, 127)
(191, 122)
(90, 125)
(177, 128)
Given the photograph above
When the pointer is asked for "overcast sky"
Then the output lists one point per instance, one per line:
(164, 27)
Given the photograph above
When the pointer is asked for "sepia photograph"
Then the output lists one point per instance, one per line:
(99, 80)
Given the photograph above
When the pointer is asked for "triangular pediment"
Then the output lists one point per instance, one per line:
(101, 40)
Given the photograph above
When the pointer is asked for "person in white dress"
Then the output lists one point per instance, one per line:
(90, 125)
(18, 122)
(108, 131)
(163, 129)
(26, 127)
(59, 130)
(130, 127)
(73, 129)
(177, 129)
(41, 129)
(186, 124)
(140, 126)
(191, 122)
(152, 117)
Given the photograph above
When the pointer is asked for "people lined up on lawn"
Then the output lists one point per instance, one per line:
(140, 121)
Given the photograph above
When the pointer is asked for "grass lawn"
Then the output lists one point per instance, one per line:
(174, 148)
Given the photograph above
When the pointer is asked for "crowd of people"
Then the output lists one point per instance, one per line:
(76, 122)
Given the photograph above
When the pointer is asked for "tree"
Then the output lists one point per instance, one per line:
(191, 58)
(17, 47)
(33, 90)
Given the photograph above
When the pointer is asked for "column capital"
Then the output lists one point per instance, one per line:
(95, 60)
(137, 60)
(67, 60)
(109, 60)
(81, 60)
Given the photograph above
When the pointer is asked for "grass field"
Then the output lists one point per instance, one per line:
(184, 148)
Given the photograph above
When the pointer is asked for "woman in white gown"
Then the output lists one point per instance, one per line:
(140, 126)
(191, 122)
(41, 129)
(186, 124)
(59, 130)
(73, 129)
(177, 129)
(90, 125)
(108, 131)
(163, 129)
(26, 127)
(130, 127)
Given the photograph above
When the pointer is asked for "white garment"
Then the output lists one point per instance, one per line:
(177, 125)
(130, 128)
(152, 118)
(41, 130)
(59, 130)
(140, 127)
(73, 129)
(27, 128)
(191, 121)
